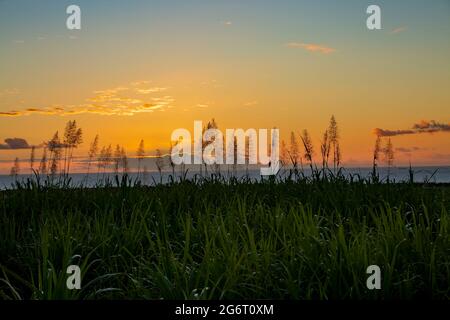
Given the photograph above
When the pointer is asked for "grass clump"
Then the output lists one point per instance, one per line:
(234, 239)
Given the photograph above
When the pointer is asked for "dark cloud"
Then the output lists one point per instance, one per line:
(9, 114)
(390, 133)
(421, 127)
(431, 126)
(409, 150)
(14, 144)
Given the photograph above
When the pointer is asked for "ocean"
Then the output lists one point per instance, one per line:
(396, 174)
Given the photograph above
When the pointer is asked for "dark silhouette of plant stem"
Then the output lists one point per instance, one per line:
(389, 156)
(15, 170)
(376, 156)
(32, 158)
(309, 148)
(140, 155)
(93, 150)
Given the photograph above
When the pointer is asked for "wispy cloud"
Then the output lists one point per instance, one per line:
(8, 92)
(409, 150)
(421, 127)
(398, 30)
(250, 103)
(123, 101)
(227, 23)
(150, 90)
(140, 83)
(311, 47)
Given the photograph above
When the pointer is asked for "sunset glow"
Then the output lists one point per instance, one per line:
(142, 72)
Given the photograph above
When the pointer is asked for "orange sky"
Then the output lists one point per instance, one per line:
(134, 74)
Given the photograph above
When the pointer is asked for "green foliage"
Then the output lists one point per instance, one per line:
(226, 239)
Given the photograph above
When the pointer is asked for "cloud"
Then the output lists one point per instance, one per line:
(151, 90)
(431, 126)
(311, 47)
(7, 92)
(139, 83)
(54, 110)
(408, 150)
(10, 114)
(250, 103)
(123, 101)
(390, 133)
(227, 23)
(421, 127)
(398, 30)
(14, 144)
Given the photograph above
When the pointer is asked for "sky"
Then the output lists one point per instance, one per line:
(141, 69)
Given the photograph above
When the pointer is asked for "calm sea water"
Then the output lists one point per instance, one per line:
(398, 174)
